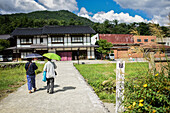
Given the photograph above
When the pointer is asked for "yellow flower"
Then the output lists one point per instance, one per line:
(140, 104)
(156, 74)
(145, 85)
(134, 86)
(141, 100)
(129, 107)
(154, 111)
(158, 91)
(134, 103)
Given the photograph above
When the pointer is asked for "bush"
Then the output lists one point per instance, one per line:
(149, 93)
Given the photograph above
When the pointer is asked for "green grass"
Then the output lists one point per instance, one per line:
(12, 78)
(96, 74)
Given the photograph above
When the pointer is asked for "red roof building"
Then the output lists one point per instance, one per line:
(117, 38)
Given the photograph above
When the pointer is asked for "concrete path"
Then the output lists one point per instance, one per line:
(71, 95)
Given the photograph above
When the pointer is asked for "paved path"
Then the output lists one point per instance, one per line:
(72, 95)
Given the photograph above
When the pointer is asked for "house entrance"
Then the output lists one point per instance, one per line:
(65, 56)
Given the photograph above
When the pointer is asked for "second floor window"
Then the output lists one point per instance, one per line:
(152, 40)
(145, 40)
(77, 39)
(138, 40)
(57, 39)
(26, 40)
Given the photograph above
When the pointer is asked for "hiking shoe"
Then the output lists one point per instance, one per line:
(47, 91)
(30, 92)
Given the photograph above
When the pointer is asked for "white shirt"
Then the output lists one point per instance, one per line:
(50, 67)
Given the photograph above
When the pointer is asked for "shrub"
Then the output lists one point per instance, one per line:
(149, 93)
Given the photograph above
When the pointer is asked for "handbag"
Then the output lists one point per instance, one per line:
(44, 76)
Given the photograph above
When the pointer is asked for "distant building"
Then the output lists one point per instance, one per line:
(121, 43)
(165, 41)
(5, 36)
(129, 46)
(63, 40)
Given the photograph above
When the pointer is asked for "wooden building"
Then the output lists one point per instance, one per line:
(66, 41)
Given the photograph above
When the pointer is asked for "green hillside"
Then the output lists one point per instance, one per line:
(40, 18)
(58, 15)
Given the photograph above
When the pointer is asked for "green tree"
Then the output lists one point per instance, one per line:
(4, 44)
(104, 47)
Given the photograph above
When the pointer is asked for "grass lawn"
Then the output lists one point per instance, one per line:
(96, 74)
(12, 78)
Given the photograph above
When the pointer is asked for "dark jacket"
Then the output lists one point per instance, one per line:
(31, 69)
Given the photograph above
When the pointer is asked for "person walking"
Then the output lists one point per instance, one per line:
(30, 68)
(50, 67)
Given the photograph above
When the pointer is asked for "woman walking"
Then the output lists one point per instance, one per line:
(50, 67)
(30, 68)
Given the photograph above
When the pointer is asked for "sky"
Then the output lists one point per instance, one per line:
(125, 11)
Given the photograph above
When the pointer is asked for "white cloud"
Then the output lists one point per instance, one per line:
(111, 15)
(12, 6)
(17, 6)
(83, 11)
(158, 9)
(70, 5)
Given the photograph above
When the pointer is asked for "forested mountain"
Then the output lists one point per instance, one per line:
(41, 18)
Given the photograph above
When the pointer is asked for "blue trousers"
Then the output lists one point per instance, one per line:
(31, 82)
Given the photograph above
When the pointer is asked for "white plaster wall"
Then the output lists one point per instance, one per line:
(25, 45)
(88, 53)
(77, 44)
(93, 56)
(34, 40)
(69, 40)
(84, 39)
(94, 39)
(88, 40)
(18, 42)
(57, 45)
(65, 40)
(38, 40)
(49, 41)
(45, 41)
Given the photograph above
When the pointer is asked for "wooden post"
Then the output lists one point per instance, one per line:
(120, 70)
(151, 63)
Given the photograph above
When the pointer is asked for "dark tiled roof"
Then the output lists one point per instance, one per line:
(117, 38)
(54, 30)
(27, 31)
(6, 36)
(68, 30)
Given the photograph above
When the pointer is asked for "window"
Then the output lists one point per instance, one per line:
(77, 39)
(138, 40)
(24, 54)
(152, 40)
(57, 39)
(41, 40)
(26, 40)
(145, 40)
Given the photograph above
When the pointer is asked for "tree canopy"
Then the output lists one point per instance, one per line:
(104, 46)
(4, 44)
